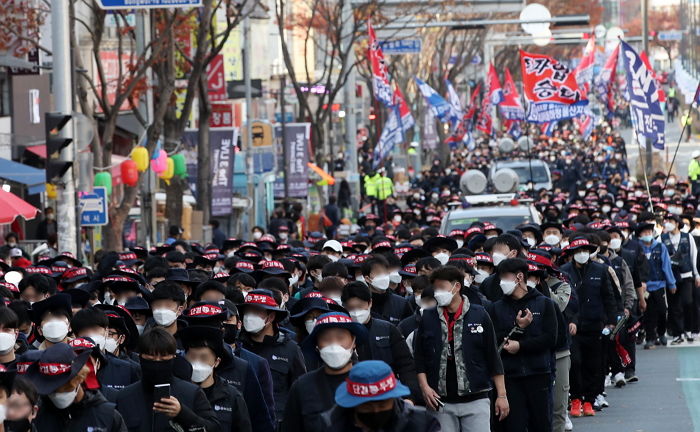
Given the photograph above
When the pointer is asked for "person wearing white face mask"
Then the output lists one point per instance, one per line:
(505, 246)
(205, 351)
(52, 319)
(385, 304)
(457, 358)
(531, 234)
(62, 387)
(332, 341)
(597, 310)
(8, 337)
(303, 316)
(457, 236)
(385, 341)
(441, 248)
(167, 303)
(333, 250)
(528, 346)
(552, 232)
(261, 335)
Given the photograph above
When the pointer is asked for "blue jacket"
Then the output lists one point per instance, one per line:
(660, 271)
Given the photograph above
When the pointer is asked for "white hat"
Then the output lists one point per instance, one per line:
(15, 252)
(695, 154)
(333, 244)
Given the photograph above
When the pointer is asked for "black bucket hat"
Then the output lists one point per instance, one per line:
(57, 365)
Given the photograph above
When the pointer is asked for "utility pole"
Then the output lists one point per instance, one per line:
(350, 102)
(285, 166)
(63, 100)
(250, 174)
(645, 45)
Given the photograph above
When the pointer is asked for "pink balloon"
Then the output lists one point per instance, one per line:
(160, 163)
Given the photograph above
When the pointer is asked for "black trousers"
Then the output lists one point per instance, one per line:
(681, 307)
(695, 315)
(655, 315)
(586, 373)
(530, 404)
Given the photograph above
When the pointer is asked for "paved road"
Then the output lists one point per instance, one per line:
(666, 399)
(673, 131)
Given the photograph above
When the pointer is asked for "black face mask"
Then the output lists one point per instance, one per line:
(22, 425)
(603, 249)
(156, 372)
(230, 333)
(376, 420)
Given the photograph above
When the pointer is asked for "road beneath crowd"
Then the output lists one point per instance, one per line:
(673, 132)
(666, 398)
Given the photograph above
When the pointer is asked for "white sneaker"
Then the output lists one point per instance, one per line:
(608, 381)
(568, 425)
(619, 379)
(601, 402)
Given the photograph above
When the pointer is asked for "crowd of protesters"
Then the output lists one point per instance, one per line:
(380, 325)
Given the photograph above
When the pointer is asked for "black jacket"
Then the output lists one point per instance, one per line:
(117, 373)
(390, 307)
(135, 403)
(310, 396)
(596, 301)
(286, 364)
(537, 341)
(407, 419)
(93, 412)
(229, 406)
(386, 343)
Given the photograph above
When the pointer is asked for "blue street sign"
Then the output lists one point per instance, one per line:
(404, 46)
(93, 207)
(148, 4)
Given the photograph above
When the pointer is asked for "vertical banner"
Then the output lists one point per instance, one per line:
(296, 138)
(430, 134)
(222, 154)
(380, 74)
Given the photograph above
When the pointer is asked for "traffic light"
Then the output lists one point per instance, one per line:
(55, 167)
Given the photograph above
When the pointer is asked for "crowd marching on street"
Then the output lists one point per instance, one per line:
(383, 325)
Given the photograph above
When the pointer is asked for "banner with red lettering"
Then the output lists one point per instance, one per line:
(380, 74)
(550, 88)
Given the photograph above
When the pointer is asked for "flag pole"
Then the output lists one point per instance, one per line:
(680, 138)
(641, 161)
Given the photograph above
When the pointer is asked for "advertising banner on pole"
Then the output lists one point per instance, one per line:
(222, 154)
(296, 138)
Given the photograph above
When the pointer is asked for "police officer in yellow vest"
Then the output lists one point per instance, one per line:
(687, 121)
(371, 181)
(694, 172)
(385, 189)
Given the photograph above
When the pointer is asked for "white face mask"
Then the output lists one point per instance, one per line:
(335, 356)
(381, 282)
(63, 400)
(615, 243)
(55, 330)
(409, 289)
(552, 239)
(497, 258)
(336, 298)
(531, 283)
(442, 257)
(111, 345)
(444, 298)
(7, 342)
(201, 371)
(360, 315)
(293, 280)
(333, 258)
(606, 209)
(99, 339)
(309, 325)
(257, 235)
(582, 257)
(467, 282)
(395, 277)
(140, 328)
(669, 226)
(481, 276)
(508, 287)
(284, 236)
(253, 323)
(563, 244)
(164, 317)
(530, 241)
(360, 278)
(460, 243)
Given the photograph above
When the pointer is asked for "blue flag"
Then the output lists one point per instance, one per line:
(392, 135)
(645, 108)
(438, 105)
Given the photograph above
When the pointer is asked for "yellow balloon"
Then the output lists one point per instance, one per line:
(169, 171)
(51, 191)
(140, 156)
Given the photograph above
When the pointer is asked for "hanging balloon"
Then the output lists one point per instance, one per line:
(130, 173)
(51, 191)
(160, 162)
(140, 156)
(104, 179)
(180, 165)
(169, 171)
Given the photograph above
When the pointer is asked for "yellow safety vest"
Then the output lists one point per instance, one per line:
(385, 188)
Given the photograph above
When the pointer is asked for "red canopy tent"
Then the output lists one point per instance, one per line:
(12, 207)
